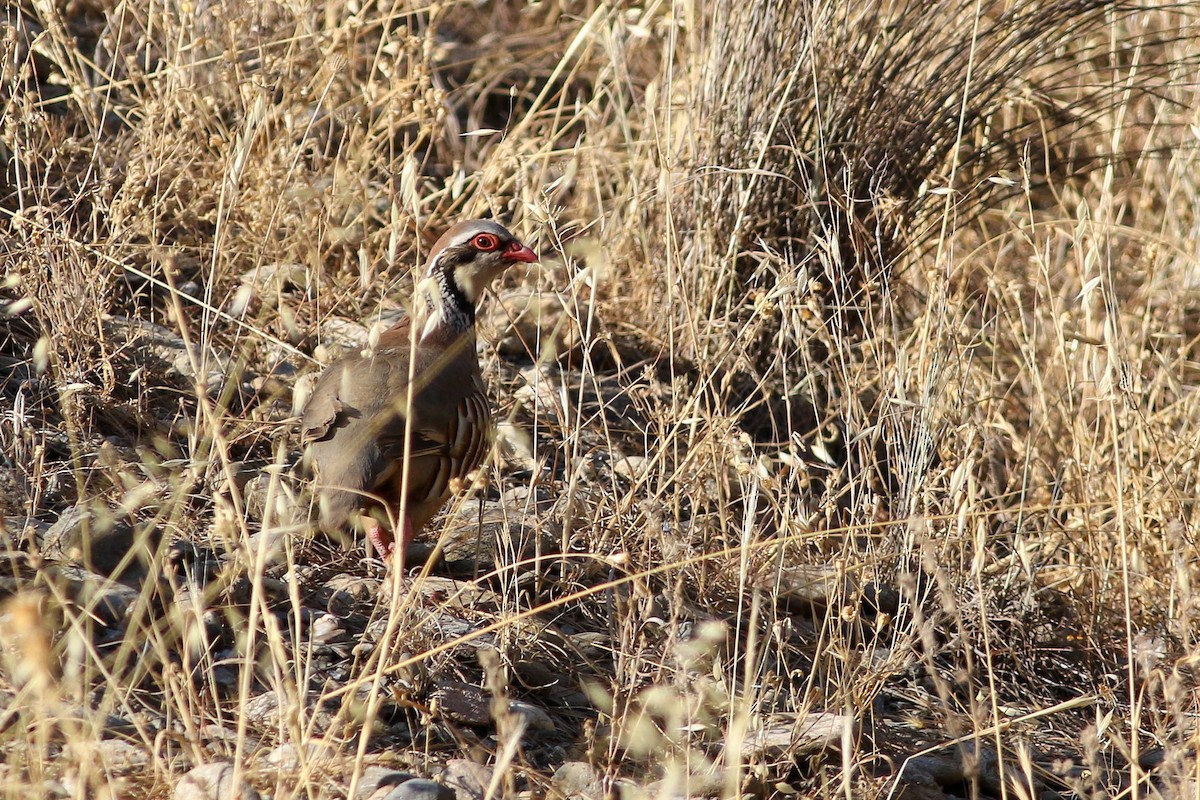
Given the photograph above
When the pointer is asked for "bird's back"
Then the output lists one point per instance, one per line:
(360, 423)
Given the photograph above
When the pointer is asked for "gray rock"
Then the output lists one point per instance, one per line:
(107, 726)
(120, 757)
(468, 780)
(290, 757)
(535, 718)
(343, 592)
(168, 347)
(552, 688)
(955, 766)
(106, 601)
(807, 733)
(191, 564)
(808, 585)
(15, 531)
(420, 789)
(104, 540)
(324, 628)
(463, 702)
(576, 780)
(375, 779)
(213, 782)
(263, 286)
(631, 468)
(471, 535)
(880, 598)
(262, 711)
(222, 740)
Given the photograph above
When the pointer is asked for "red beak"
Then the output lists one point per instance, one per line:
(519, 252)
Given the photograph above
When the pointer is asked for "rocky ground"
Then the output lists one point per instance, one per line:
(844, 433)
(309, 670)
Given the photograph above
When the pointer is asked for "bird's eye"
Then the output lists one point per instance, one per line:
(486, 242)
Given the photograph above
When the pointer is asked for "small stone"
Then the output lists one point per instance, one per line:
(807, 734)
(325, 628)
(420, 789)
(289, 757)
(120, 757)
(263, 286)
(576, 780)
(344, 334)
(632, 468)
(222, 740)
(192, 564)
(879, 598)
(517, 444)
(108, 726)
(191, 289)
(375, 779)
(107, 602)
(343, 592)
(213, 782)
(101, 539)
(536, 718)
(262, 711)
(15, 532)
(808, 585)
(154, 341)
(463, 702)
(951, 768)
(468, 779)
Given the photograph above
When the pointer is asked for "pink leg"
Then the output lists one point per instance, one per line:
(379, 538)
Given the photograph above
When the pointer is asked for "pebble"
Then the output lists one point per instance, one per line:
(343, 592)
(155, 341)
(463, 702)
(807, 734)
(469, 780)
(631, 468)
(108, 602)
(262, 711)
(220, 740)
(325, 628)
(289, 757)
(100, 539)
(577, 780)
(420, 789)
(109, 725)
(379, 781)
(213, 781)
(535, 717)
(120, 757)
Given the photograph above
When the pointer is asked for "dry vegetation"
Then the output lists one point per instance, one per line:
(849, 438)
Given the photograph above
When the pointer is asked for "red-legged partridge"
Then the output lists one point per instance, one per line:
(391, 435)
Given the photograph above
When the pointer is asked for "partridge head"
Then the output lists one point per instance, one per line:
(391, 434)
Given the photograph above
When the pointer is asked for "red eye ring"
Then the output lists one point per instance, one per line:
(485, 242)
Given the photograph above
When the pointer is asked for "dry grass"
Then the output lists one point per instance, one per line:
(863, 388)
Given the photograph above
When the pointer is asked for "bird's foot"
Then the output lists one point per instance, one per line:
(381, 541)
